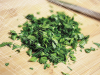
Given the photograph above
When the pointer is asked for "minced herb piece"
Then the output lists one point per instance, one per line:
(72, 57)
(51, 11)
(65, 73)
(6, 64)
(31, 68)
(80, 50)
(29, 52)
(33, 59)
(97, 44)
(92, 49)
(55, 66)
(38, 12)
(6, 44)
(9, 56)
(69, 68)
(46, 66)
(17, 51)
(19, 25)
(88, 50)
(16, 47)
(13, 34)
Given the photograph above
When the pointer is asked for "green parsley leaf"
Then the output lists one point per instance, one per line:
(31, 68)
(16, 47)
(69, 68)
(6, 64)
(29, 52)
(51, 11)
(17, 51)
(33, 59)
(6, 44)
(65, 73)
(55, 66)
(38, 12)
(97, 44)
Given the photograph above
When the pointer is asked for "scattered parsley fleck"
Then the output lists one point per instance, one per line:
(80, 50)
(51, 11)
(17, 51)
(65, 73)
(69, 68)
(46, 38)
(19, 25)
(6, 64)
(38, 12)
(31, 68)
(55, 66)
(97, 44)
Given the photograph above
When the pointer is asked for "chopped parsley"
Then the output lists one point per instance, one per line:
(47, 38)
(51, 11)
(38, 12)
(69, 68)
(6, 64)
(17, 51)
(97, 44)
(31, 68)
(65, 73)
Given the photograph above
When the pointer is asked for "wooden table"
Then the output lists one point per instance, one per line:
(12, 13)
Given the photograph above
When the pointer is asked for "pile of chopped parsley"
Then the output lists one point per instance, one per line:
(47, 38)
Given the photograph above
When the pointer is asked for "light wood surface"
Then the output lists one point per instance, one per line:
(12, 13)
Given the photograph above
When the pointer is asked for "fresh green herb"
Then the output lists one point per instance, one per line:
(69, 68)
(29, 52)
(80, 50)
(17, 51)
(16, 47)
(9, 56)
(6, 44)
(72, 57)
(38, 12)
(51, 11)
(47, 38)
(55, 66)
(88, 50)
(6, 64)
(13, 34)
(31, 68)
(65, 73)
(46, 66)
(92, 49)
(33, 59)
(97, 44)
(19, 25)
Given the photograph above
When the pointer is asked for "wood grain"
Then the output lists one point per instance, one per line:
(12, 13)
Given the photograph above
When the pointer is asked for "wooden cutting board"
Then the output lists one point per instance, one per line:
(12, 13)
